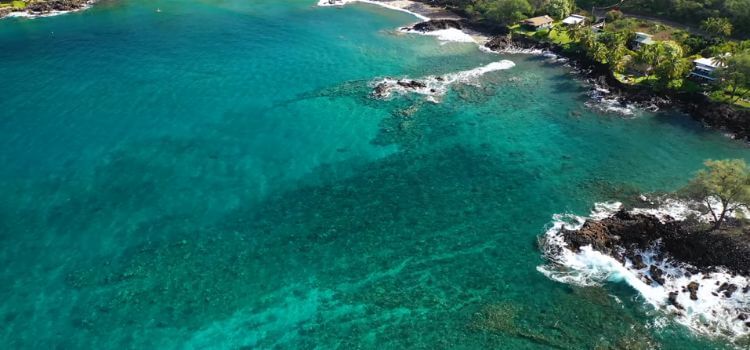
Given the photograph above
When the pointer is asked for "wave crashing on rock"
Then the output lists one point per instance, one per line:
(636, 247)
(433, 86)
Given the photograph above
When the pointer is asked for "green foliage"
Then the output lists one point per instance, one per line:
(559, 8)
(717, 26)
(735, 76)
(502, 11)
(725, 181)
(614, 15)
(666, 60)
(690, 12)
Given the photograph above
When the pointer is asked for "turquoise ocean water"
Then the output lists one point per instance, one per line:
(215, 175)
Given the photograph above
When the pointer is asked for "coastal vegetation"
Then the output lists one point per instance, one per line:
(37, 7)
(15, 4)
(715, 30)
(724, 187)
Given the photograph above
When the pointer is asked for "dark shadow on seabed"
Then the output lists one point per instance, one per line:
(412, 244)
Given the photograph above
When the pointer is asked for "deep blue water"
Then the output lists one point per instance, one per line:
(215, 175)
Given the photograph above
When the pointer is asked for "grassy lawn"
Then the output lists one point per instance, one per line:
(658, 30)
(725, 96)
(16, 4)
(559, 36)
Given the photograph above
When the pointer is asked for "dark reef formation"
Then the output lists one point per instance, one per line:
(624, 235)
(42, 7)
(56, 5)
(435, 24)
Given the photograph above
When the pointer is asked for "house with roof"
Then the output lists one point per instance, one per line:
(537, 23)
(705, 68)
(641, 40)
(574, 20)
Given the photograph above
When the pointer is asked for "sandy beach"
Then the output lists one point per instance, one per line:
(420, 10)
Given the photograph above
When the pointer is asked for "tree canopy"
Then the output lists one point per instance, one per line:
(724, 186)
(735, 76)
(717, 26)
(501, 11)
(559, 8)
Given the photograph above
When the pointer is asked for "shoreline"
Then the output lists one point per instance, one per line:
(613, 95)
(701, 280)
(714, 115)
(48, 9)
(425, 12)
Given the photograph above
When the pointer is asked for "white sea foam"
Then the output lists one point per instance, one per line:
(434, 87)
(602, 100)
(378, 3)
(713, 313)
(515, 50)
(447, 35)
(32, 15)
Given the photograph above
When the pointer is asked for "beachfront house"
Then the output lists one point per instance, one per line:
(705, 68)
(574, 20)
(642, 39)
(537, 23)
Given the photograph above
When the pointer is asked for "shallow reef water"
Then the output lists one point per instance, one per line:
(216, 175)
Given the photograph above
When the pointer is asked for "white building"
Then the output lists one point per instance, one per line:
(574, 20)
(705, 68)
(642, 39)
(537, 23)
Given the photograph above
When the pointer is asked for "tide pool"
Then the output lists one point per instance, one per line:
(217, 175)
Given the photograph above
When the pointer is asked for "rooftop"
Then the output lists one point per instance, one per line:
(710, 62)
(643, 38)
(538, 21)
(574, 19)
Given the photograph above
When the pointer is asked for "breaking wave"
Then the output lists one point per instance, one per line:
(719, 307)
(446, 35)
(434, 87)
(377, 3)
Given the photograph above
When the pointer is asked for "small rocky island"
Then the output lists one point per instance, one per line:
(33, 8)
(687, 253)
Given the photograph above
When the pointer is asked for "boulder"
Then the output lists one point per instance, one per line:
(692, 287)
(728, 289)
(657, 274)
(435, 24)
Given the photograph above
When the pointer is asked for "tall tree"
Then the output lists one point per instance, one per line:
(559, 8)
(717, 26)
(504, 11)
(724, 186)
(735, 75)
(666, 60)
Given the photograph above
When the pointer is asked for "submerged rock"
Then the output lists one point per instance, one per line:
(411, 84)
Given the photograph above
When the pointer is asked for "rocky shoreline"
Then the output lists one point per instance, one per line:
(624, 235)
(711, 114)
(701, 278)
(47, 8)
